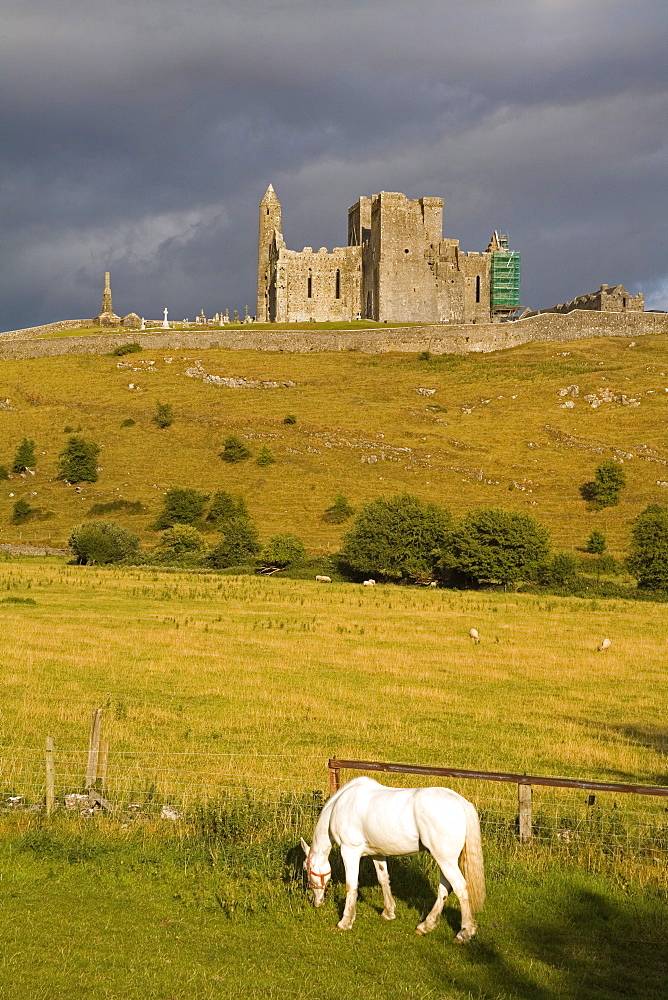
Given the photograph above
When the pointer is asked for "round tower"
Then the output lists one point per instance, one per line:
(270, 222)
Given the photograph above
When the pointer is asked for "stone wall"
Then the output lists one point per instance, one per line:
(435, 338)
(42, 331)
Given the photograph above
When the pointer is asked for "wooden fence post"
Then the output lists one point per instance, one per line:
(102, 764)
(50, 776)
(93, 747)
(524, 799)
(334, 780)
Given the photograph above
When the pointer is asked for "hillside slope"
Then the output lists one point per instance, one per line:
(465, 431)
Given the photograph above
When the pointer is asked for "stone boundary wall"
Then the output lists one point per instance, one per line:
(35, 332)
(437, 339)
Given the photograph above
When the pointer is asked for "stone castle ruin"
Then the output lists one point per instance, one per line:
(606, 299)
(396, 268)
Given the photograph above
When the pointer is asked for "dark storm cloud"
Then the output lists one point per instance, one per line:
(140, 136)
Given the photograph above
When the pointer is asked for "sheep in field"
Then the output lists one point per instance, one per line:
(474, 635)
(323, 579)
(604, 645)
(369, 583)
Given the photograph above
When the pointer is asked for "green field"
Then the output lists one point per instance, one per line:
(202, 677)
(494, 432)
(223, 695)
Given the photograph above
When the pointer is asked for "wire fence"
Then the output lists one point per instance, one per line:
(598, 829)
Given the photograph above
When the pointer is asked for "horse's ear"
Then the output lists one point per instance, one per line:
(305, 847)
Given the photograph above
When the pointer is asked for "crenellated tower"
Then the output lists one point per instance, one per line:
(270, 229)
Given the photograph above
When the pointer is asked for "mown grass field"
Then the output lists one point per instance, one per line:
(493, 433)
(197, 663)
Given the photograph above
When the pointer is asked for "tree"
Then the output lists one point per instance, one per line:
(239, 546)
(22, 512)
(181, 539)
(605, 490)
(266, 457)
(397, 537)
(102, 542)
(339, 512)
(181, 505)
(492, 545)
(648, 555)
(283, 550)
(226, 506)
(163, 416)
(25, 456)
(234, 450)
(596, 543)
(78, 461)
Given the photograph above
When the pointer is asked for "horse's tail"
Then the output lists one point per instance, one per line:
(471, 859)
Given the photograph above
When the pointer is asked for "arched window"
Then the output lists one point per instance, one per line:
(477, 288)
(309, 287)
(337, 293)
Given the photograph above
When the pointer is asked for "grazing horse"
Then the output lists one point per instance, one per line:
(367, 818)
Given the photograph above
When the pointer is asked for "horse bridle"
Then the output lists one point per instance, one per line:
(314, 875)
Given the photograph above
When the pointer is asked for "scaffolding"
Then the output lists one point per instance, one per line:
(505, 277)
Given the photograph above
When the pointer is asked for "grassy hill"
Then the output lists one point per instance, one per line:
(493, 432)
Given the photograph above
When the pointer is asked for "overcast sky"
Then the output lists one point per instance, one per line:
(140, 136)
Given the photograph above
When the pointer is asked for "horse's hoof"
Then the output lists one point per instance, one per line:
(388, 916)
(464, 936)
(419, 932)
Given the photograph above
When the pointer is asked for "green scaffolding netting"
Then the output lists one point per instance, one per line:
(506, 279)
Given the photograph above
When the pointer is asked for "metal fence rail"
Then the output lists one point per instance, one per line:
(617, 818)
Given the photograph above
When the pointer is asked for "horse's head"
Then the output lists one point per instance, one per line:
(318, 872)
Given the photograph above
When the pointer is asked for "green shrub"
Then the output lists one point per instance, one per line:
(122, 349)
(129, 422)
(495, 546)
(283, 550)
(648, 555)
(182, 538)
(163, 416)
(181, 505)
(265, 457)
(4, 472)
(605, 490)
(102, 542)
(22, 512)
(339, 512)
(290, 419)
(396, 537)
(78, 461)
(561, 570)
(239, 545)
(234, 450)
(226, 506)
(596, 543)
(25, 456)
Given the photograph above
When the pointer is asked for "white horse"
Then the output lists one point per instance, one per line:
(367, 818)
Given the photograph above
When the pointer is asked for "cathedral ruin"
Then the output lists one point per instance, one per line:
(396, 268)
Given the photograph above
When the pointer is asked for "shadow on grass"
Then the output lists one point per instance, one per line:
(571, 944)
(410, 884)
